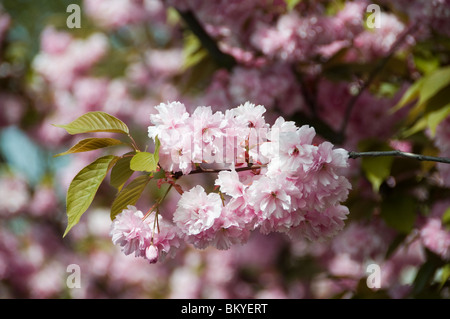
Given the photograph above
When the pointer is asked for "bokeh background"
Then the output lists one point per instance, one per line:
(313, 62)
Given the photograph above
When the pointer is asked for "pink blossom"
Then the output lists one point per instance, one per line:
(378, 42)
(344, 265)
(115, 13)
(287, 40)
(5, 22)
(170, 117)
(177, 156)
(147, 238)
(184, 282)
(403, 146)
(90, 93)
(296, 38)
(348, 22)
(325, 185)
(46, 282)
(44, 201)
(301, 183)
(296, 150)
(434, 234)
(65, 60)
(170, 124)
(229, 183)
(436, 238)
(320, 225)
(230, 229)
(250, 115)
(363, 241)
(290, 151)
(130, 232)
(328, 50)
(333, 97)
(165, 239)
(265, 85)
(54, 42)
(432, 14)
(14, 195)
(196, 214)
(207, 128)
(442, 136)
(408, 256)
(13, 109)
(444, 170)
(442, 142)
(271, 199)
(165, 63)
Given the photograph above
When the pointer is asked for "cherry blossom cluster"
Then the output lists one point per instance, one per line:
(433, 14)
(269, 178)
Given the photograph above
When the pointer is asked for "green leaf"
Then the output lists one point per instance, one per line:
(129, 195)
(420, 125)
(159, 174)
(426, 65)
(433, 83)
(90, 144)
(398, 240)
(387, 89)
(424, 277)
(445, 275)
(425, 91)
(430, 120)
(156, 152)
(436, 117)
(121, 172)
(83, 188)
(290, 4)
(377, 169)
(95, 122)
(143, 162)
(193, 51)
(446, 218)
(409, 96)
(399, 212)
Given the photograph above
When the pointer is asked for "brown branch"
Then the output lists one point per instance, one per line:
(222, 59)
(322, 128)
(200, 170)
(396, 153)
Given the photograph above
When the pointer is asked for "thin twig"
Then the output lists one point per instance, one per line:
(239, 169)
(133, 143)
(396, 153)
(157, 203)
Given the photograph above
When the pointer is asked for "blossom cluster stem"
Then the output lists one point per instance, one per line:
(200, 170)
(352, 155)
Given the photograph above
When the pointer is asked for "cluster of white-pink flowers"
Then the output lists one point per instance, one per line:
(151, 238)
(269, 178)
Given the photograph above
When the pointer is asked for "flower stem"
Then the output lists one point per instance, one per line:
(133, 143)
